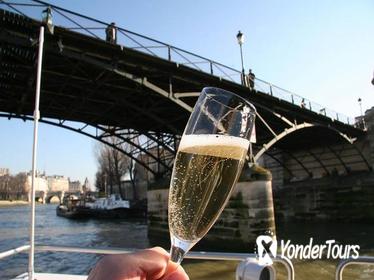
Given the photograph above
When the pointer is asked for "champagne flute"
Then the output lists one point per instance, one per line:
(208, 163)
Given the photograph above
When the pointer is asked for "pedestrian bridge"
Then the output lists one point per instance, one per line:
(136, 93)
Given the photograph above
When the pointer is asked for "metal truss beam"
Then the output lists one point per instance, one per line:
(287, 121)
(186, 94)
(319, 161)
(281, 163)
(363, 158)
(166, 94)
(299, 162)
(140, 81)
(136, 149)
(266, 124)
(164, 144)
(339, 158)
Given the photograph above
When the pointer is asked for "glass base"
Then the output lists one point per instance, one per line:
(179, 248)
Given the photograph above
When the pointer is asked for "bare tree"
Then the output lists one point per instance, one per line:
(100, 181)
(4, 187)
(112, 165)
(13, 187)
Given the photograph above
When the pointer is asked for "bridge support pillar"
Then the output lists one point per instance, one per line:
(43, 197)
(249, 212)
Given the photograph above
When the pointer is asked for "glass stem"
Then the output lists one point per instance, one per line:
(176, 254)
(179, 248)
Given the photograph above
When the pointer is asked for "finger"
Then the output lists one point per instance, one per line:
(153, 262)
(158, 250)
(146, 264)
(108, 266)
(177, 274)
(172, 266)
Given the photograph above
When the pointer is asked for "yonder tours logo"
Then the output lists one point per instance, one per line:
(266, 249)
(330, 249)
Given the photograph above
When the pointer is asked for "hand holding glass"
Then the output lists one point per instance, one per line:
(209, 161)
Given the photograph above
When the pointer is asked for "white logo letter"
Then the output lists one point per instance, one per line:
(266, 248)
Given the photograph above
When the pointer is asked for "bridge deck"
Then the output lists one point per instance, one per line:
(89, 80)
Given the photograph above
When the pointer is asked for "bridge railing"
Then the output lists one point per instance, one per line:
(303, 102)
(96, 28)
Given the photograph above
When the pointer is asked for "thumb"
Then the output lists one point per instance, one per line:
(177, 273)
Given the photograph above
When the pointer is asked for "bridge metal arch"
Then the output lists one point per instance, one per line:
(290, 130)
(137, 149)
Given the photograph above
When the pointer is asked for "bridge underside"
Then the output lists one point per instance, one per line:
(113, 90)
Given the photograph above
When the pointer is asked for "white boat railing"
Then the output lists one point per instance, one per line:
(364, 260)
(15, 251)
(197, 255)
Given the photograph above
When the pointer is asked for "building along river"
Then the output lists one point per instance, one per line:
(53, 230)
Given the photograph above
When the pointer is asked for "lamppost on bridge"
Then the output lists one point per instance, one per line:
(362, 118)
(47, 19)
(360, 104)
(240, 37)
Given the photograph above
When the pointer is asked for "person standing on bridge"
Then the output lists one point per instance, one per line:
(303, 104)
(251, 79)
(111, 33)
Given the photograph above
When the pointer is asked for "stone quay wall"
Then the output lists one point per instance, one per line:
(348, 198)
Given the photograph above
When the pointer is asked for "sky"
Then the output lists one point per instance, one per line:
(322, 50)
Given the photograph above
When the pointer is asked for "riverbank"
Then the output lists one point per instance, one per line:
(8, 203)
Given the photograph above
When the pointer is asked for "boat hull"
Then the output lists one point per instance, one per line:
(75, 213)
(85, 213)
(118, 213)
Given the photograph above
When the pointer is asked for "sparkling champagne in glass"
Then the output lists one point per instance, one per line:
(208, 163)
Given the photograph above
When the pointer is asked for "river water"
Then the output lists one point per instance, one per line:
(53, 230)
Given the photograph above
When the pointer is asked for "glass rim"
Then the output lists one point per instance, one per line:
(206, 90)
